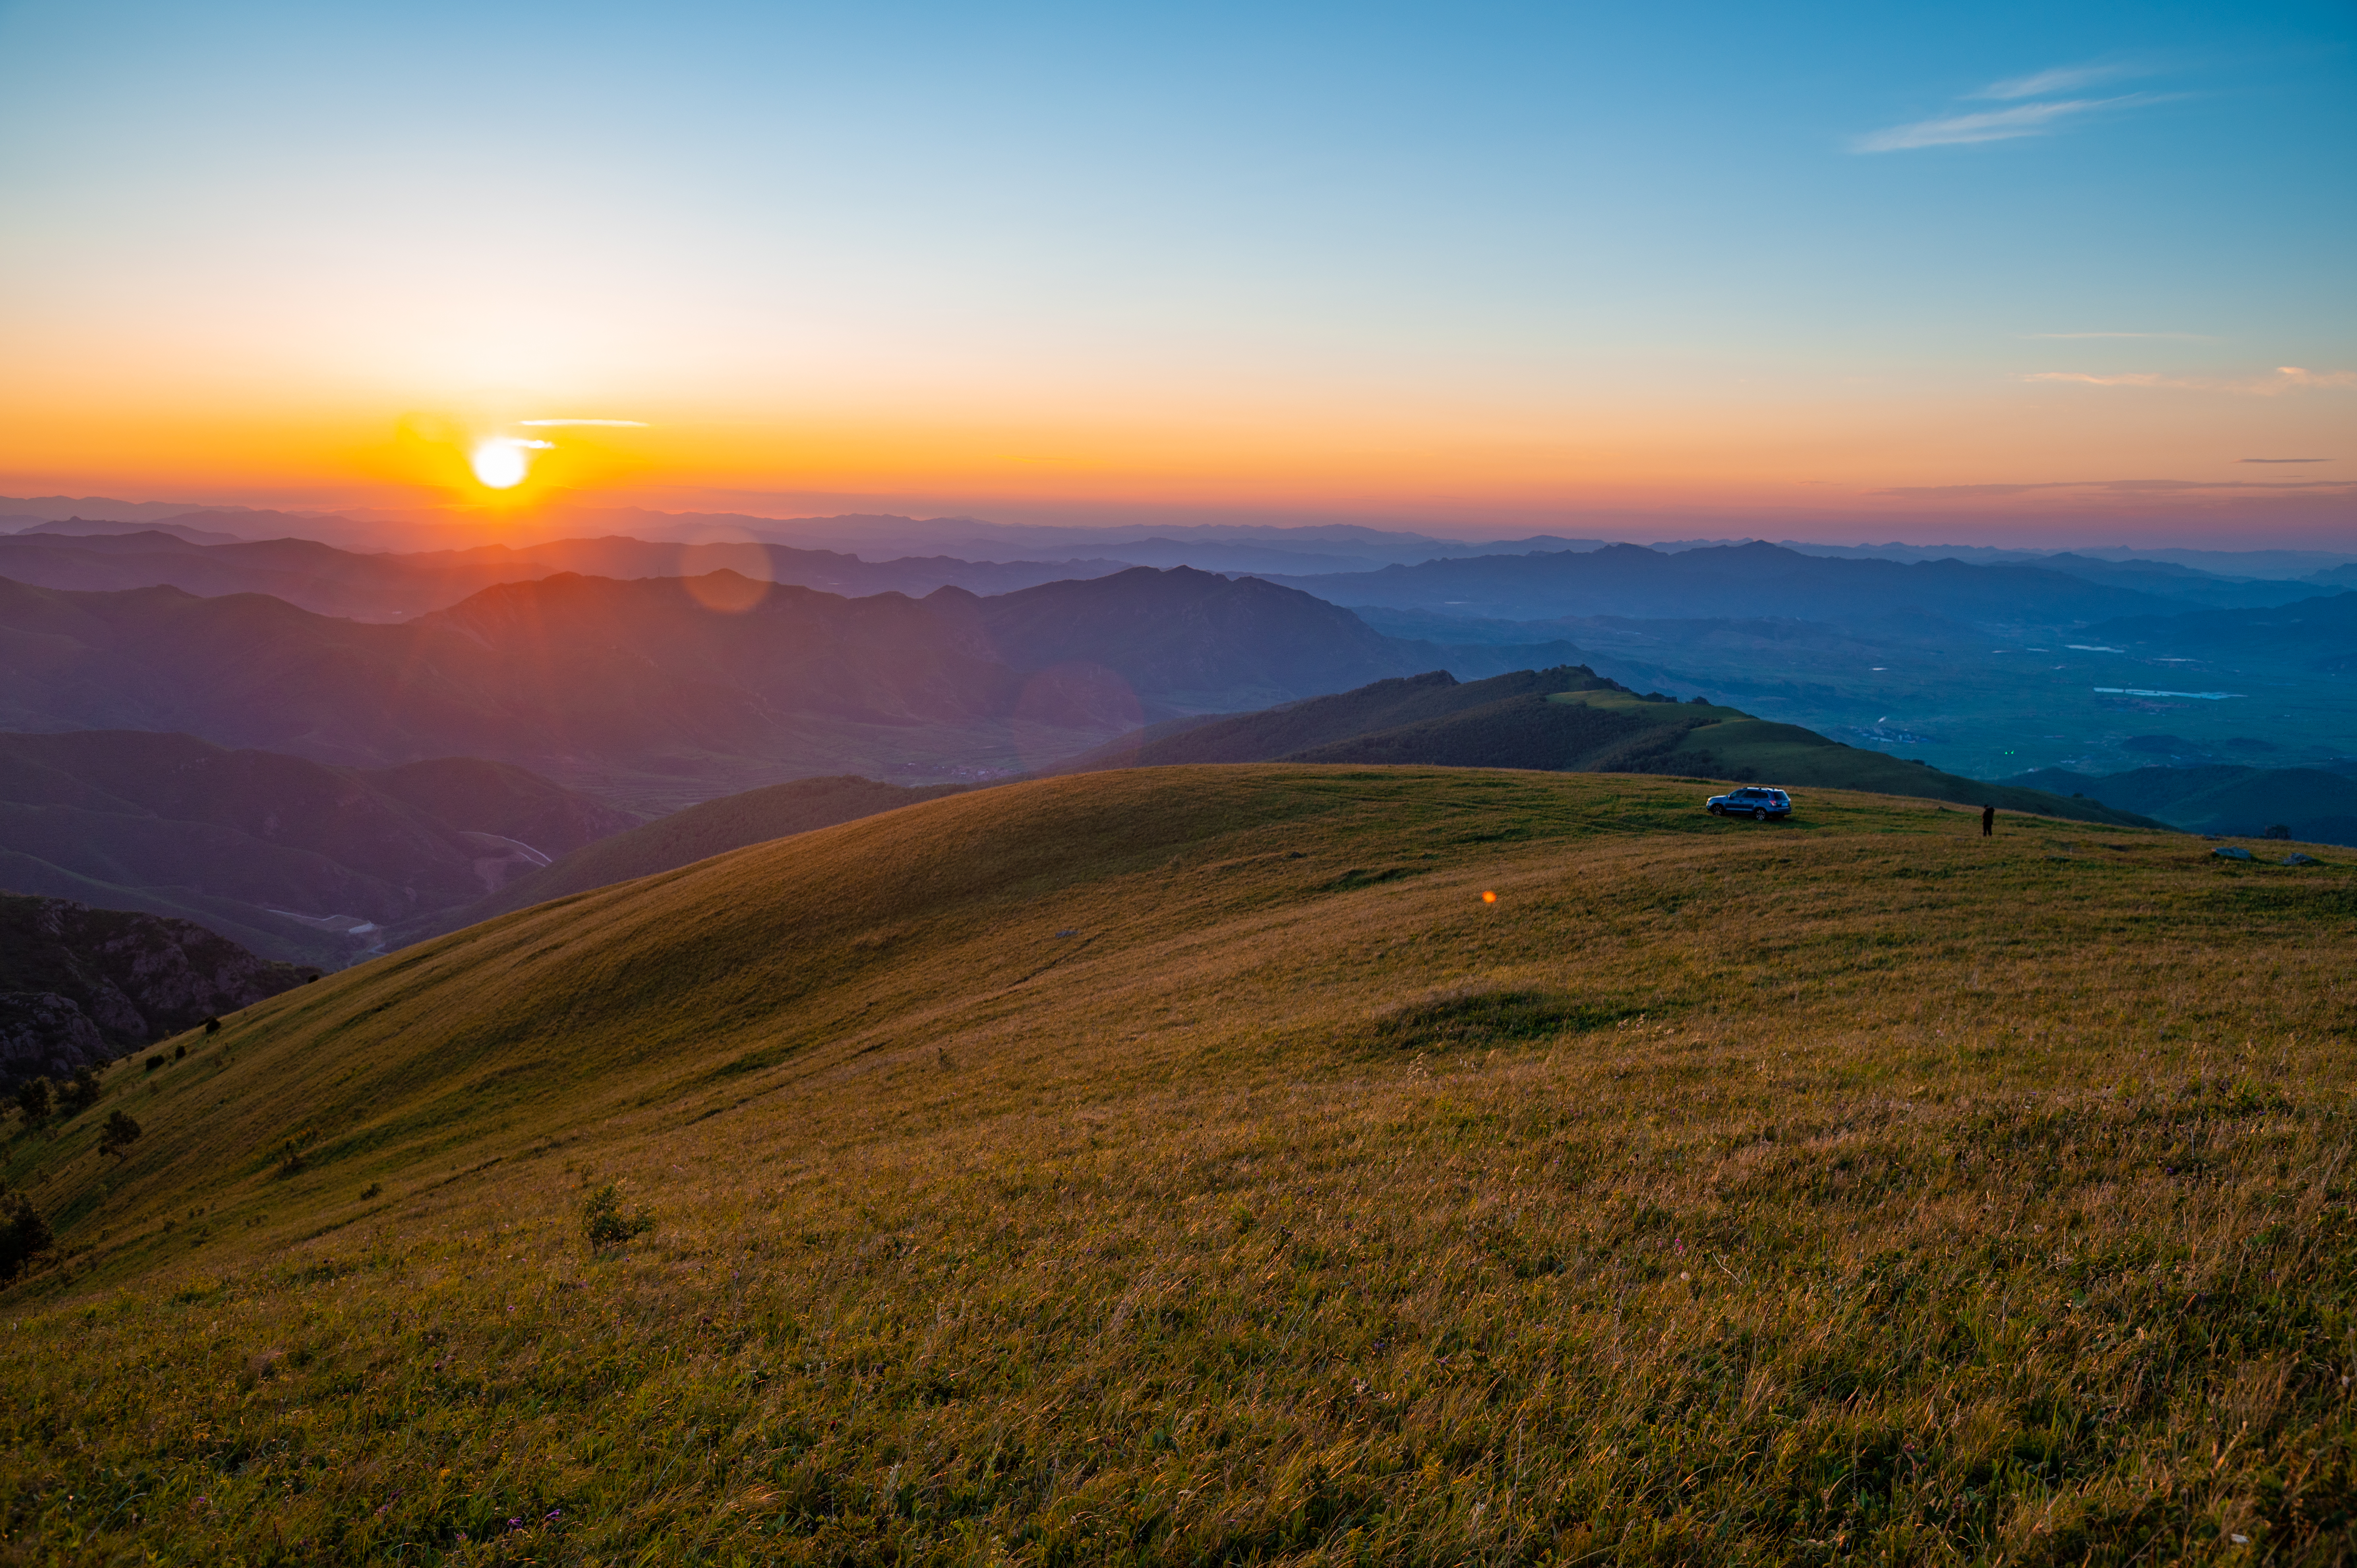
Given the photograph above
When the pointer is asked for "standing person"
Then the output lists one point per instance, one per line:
(1988, 822)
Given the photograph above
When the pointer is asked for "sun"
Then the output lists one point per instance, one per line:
(501, 462)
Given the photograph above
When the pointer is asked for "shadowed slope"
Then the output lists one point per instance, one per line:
(1188, 1165)
(696, 833)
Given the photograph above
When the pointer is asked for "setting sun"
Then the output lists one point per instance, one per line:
(502, 461)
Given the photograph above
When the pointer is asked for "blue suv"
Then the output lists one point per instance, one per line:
(1758, 803)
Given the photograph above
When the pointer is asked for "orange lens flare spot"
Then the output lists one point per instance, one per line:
(1489, 898)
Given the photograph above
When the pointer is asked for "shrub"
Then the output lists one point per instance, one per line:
(2280, 831)
(154, 1061)
(36, 1100)
(373, 1189)
(118, 1135)
(83, 1092)
(178, 1052)
(24, 1236)
(290, 1158)
(212, 1025)
(603, 1221)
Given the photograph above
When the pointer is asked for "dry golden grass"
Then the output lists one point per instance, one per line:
(1850, 1190)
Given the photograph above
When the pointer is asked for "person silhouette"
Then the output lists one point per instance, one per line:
(1988, 822)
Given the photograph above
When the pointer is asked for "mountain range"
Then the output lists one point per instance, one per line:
(387, 587)
(1745, 581)
(644, 693)
(2224, 800)
(291, 858)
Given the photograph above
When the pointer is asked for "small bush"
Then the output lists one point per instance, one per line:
(2280, 831)
(180, 1052)
(603, 1221)
(212, 1025)
(119, 1134)
(372, 1190)
(154, 1061)
(83, 1092)
(290, 1158)
(24, 1236)
(36, 1101)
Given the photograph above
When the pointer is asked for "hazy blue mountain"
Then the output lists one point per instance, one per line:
(2315, 805)
(643, 695)
(1741, 581)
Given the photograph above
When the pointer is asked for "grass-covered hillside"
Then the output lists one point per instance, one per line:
(1567, 718)
(1198, 1165)
(696, 832)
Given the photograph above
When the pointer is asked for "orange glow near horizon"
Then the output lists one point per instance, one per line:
(1352, 454)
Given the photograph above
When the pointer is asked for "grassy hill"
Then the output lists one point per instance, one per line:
(1194, 1165)
(1570, 719)
(698, 832)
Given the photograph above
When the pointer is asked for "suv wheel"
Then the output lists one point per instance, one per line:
(1759, 813)
(1718, 810)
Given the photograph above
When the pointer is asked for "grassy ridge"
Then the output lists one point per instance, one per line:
(696, 832)
(1187, 1165)
(1565, 719)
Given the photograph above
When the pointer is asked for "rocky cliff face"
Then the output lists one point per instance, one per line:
(81, 987)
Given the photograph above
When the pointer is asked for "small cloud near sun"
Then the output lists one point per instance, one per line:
(503, 462)
(500, 462)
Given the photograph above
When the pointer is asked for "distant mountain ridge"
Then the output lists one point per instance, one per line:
(293, 859)
(1735, 581)
(2223, 800)
(621, 686)
(388, 587)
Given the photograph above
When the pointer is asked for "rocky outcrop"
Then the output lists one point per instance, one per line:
(43, 1034)
(81, 986)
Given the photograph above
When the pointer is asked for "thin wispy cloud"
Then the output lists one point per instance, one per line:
(2177, 336)
(2024, 117)
(2283, 459)
(623, 423)
(1993, 124)
(2285, 379)
(2128, 379)
(2058, 79)
(2135, 487)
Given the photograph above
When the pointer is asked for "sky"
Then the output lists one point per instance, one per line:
(2074, 273)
